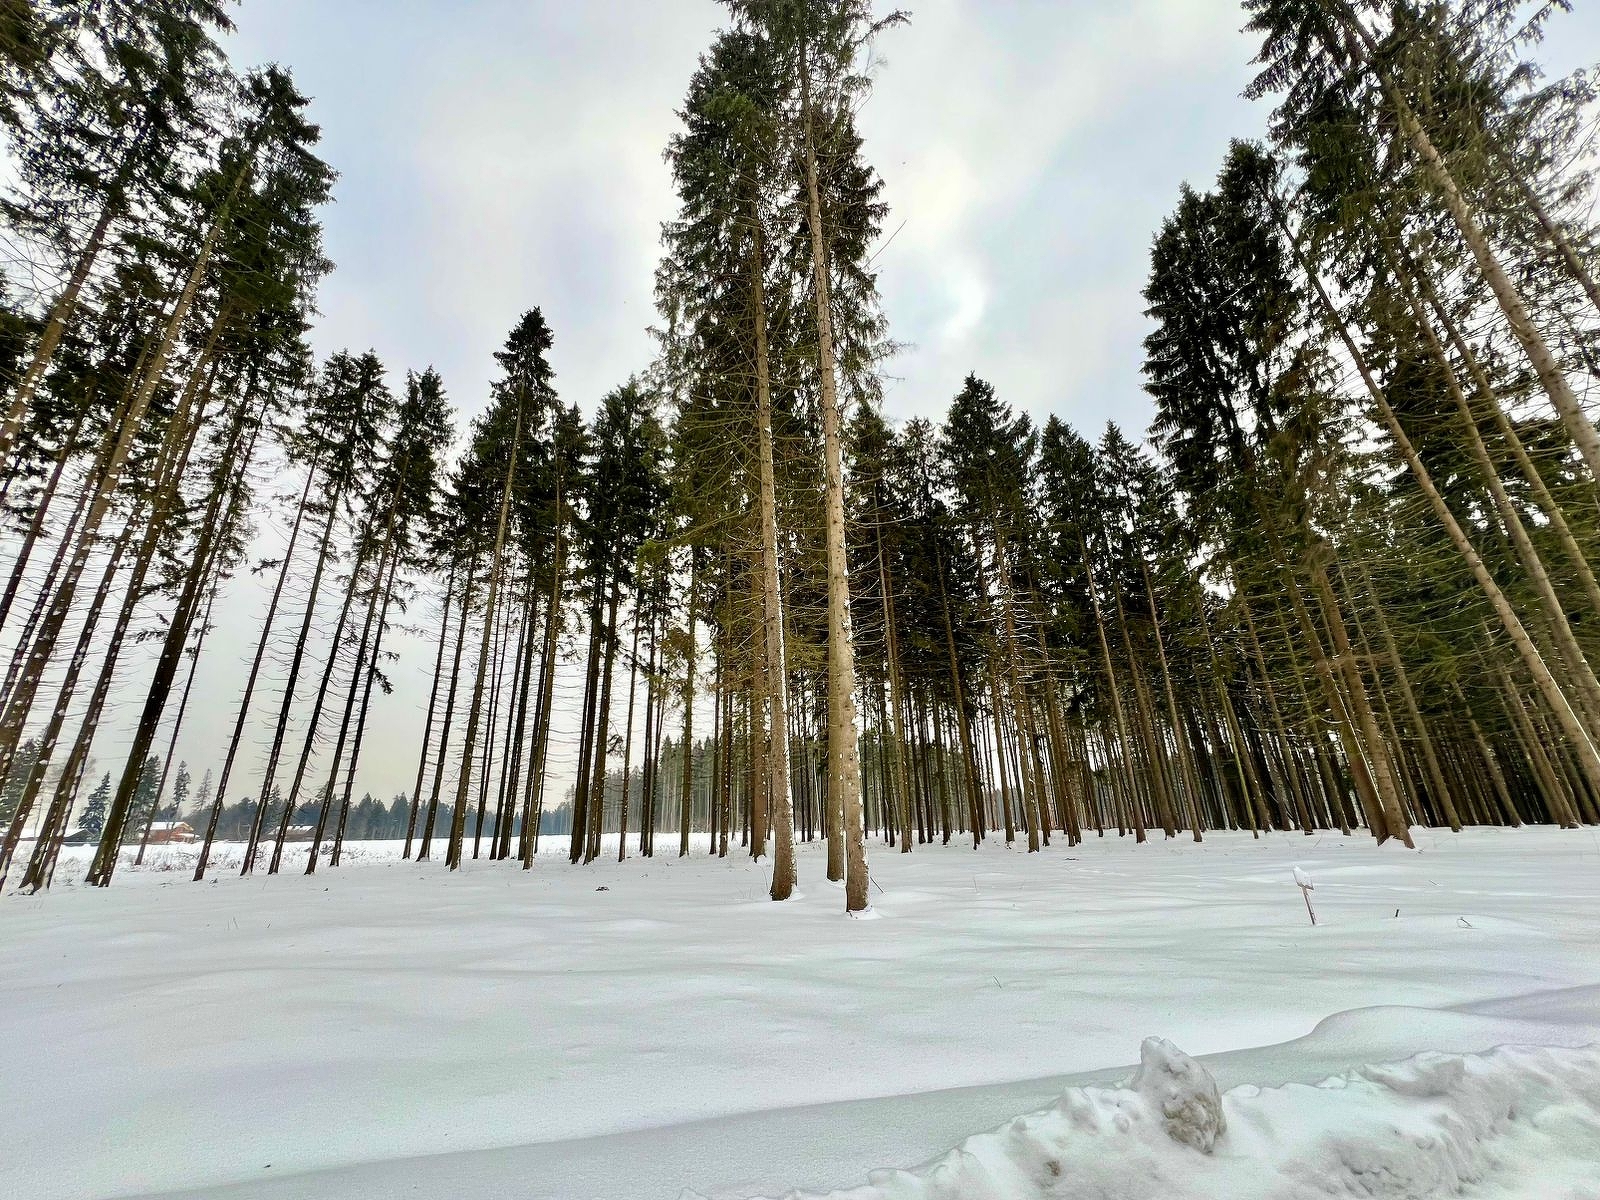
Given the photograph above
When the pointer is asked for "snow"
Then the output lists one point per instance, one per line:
(387, 1029)
(1182, 1093)
(1513, 1124)
(1304, 880)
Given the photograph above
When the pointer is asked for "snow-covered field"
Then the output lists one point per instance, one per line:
(637, 1030)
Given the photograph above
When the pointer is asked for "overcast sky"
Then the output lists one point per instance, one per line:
(500, 154)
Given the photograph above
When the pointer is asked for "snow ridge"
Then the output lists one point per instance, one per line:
(1517, 1122)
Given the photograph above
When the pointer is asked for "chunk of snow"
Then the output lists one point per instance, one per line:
(1183, 1092)
(1304, 880)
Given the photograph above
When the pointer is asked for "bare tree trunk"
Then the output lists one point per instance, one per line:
(177, 722)
(1527, 553)
(449, 711)
(844, 766)
(314, 722)
(893, 702)
(496, 569)
(361, 719)
(512, 765)
(597, 778)
(777, 672)
(686, 795)
(627, 744)
(547, 679)
(433, 698)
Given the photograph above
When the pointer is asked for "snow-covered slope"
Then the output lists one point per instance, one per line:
(386, 1030)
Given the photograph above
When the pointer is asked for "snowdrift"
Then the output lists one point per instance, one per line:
(1516, 1122)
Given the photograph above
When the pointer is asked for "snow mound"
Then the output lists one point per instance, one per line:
(1513, 1123)
(1183, 1092)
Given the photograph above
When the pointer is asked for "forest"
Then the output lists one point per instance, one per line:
(1346, 580)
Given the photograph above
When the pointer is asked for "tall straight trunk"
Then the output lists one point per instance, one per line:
(1285, 745)
(433, 698)
(314, 722)
(1430, 757)
(723, 796)
(458, 825)
(449, 709)
(686, 793)
(511, 767)
(533, 804)
(1548, 504)
(177, 721)
(361, 719)
(1111, 674)
(896, 687)
(963, 724)
(1027, 759)
(844, 766)
(65, 546)
(777, 693)
(496, 691)
(48, 737)
(255, 664)
(280, 728)
(648, 768)
(627, 743)
(1385, 778)
(578, 839)
(1160, 787)
(597, 799)
(1249, 783)
(997, 756)
(68, 542)
(1185, 761)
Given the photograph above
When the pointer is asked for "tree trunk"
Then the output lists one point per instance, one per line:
(433, 698)
(496, 569)
(844, 766)
(449, 710)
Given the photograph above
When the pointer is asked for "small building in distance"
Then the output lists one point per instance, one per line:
(169, 833)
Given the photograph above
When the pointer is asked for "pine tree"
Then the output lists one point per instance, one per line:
(93, 819)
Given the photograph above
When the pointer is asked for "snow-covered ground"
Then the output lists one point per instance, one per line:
(642, 1029)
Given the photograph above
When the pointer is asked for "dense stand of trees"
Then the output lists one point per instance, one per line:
(1348, 581)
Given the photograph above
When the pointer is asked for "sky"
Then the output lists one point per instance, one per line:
(496, 155)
